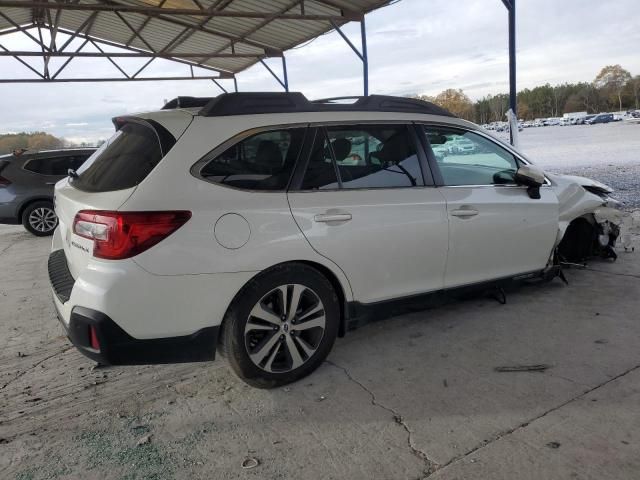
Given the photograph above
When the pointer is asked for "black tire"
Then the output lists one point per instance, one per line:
(236, 343)
(36, 218)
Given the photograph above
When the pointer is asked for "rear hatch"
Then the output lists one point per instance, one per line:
(109, 177)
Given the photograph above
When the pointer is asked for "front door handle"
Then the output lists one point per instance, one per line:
(464, 212)
(332, 217)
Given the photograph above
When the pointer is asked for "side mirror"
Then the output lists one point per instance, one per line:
(532, 177)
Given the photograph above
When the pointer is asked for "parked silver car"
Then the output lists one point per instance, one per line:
(26, 186)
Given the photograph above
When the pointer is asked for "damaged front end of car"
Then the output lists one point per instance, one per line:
(590, 221)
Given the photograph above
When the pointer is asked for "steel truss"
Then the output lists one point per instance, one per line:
(46, 17)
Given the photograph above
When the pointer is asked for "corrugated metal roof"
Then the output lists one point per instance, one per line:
(154, 26)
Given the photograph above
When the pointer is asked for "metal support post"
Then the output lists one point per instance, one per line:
(513, 92)
(365, 57)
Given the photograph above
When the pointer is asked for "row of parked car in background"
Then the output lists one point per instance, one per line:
(573, 118)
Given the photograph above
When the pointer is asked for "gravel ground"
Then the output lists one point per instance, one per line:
(609, 153)
(624, 179)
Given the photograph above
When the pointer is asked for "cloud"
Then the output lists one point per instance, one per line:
(415, 46)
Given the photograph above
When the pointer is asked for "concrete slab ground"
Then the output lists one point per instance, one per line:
(410, 397)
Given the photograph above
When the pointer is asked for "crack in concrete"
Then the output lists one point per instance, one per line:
(429, 465)
(24, 372)
(510, 431)
(7, 247)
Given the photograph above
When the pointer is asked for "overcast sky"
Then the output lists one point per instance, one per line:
(415, 46)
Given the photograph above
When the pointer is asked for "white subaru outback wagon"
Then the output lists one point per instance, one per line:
(266, 225)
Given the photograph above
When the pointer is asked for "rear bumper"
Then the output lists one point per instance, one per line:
(116, 347)
(140, 318)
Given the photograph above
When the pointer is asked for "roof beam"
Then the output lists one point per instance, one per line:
(6, 51)
(87, 25)
(222, 72)
(244, 35)
(64, 65)
(197, 27)
(185, 34)
(113, 62)
(115, 79)
(134, 31)
(144, 24)
(10, 30)
(168, 56)
(148, 10)
(24, 30)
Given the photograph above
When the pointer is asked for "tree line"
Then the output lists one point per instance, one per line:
(33, 141)
(613, 89)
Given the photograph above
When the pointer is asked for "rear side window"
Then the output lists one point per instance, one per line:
(123, 161)
(57, 166)
(261, 162)
(363, 156)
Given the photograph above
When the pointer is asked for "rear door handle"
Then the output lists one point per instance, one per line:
(332, 217)
(464, 213)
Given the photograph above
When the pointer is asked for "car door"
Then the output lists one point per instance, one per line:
(495, 228)
(362, 200)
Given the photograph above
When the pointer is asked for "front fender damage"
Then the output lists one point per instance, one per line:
(589, 222)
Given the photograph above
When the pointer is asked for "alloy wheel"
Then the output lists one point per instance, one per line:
(43, 219)
(285, 328)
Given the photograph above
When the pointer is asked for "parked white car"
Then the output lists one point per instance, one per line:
(269, 225)
(460, 145)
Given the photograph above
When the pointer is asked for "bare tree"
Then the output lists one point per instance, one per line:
(635, 88)
(613, 78)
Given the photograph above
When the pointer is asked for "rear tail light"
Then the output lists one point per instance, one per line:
(119, 235)
(4, 182)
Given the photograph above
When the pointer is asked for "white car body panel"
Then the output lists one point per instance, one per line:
(510, 234)
(150, 306)
(394, 245)
(175, 121)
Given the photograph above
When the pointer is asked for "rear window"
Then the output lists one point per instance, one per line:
(122, 162)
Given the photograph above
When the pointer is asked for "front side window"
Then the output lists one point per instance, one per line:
(465, 158)
(261, 162)
(363, 156)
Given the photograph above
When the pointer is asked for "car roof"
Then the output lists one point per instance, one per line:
(35, 153)
(252, 103)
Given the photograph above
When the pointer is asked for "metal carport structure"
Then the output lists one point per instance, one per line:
(218, 37)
